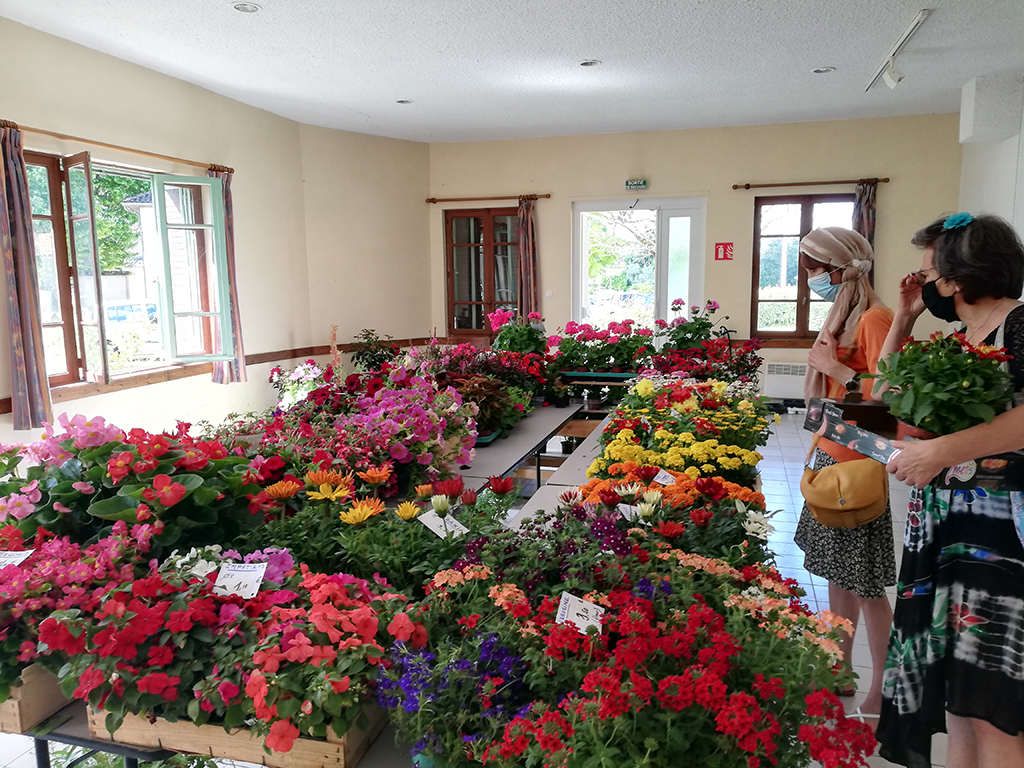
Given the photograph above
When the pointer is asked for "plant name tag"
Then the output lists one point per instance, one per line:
(242, 579)
(442, 526)
(629, 512)
(14, 558)
(664, 478)
(579, 612)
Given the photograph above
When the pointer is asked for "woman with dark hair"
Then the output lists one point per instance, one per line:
(858, 563)
(956, 654)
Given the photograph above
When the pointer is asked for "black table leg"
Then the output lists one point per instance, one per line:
(42, 753)
(538, 469)
(131, 762)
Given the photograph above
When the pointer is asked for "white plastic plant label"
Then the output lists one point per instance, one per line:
(14, 558)
(579, 612)
(664, 478)
(242, 579)
(629, 512)
(442, 526)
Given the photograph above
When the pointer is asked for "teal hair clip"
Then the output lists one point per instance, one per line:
(957, 220)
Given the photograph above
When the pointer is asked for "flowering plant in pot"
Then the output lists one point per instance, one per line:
(295, 384)
(945, 384)
(93, 474)
(296, 659)
(713, 359)
(58, 575)
(518, 334)
(371, 352)
(680, 333)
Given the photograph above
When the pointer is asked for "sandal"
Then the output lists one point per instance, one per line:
(857, 714)
(843, 690)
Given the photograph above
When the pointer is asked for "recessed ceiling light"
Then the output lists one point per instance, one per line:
(247, 7)
(404, 101)
(589, 63)
(823, 70)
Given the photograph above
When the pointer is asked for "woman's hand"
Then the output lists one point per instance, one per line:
(917, 463)
(909, 303)
(823, 357)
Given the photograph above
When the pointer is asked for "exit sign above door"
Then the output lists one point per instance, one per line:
(633, 185)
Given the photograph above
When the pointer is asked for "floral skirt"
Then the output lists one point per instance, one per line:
(861, 560)
(957, 642)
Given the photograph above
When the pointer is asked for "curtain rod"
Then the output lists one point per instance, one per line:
(105, 145)
(812, 183)
(474, 199)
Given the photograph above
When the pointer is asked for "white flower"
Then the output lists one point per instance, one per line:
(646, 509)
(652, 497)
(440, 504)
(570, 497)
(757, 526)
(628, 491)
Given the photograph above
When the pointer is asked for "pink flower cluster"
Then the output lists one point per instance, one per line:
(501, 317)
(587, 332)
(86, 433)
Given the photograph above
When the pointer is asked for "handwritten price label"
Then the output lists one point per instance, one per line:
(443, 527)
(664, 477)
(578, 612)
(14, 558)
(242, 579)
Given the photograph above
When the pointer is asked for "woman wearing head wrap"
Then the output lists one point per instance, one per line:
(858, 563)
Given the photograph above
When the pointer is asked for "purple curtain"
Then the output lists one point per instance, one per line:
(230, 371)
(864, 209)
(529, 274)
(30, 390)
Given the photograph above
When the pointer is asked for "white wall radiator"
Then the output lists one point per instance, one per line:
(785, 381)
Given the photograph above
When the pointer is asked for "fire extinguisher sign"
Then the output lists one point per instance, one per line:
(723, 251)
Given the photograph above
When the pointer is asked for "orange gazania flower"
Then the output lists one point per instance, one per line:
(323, 477)
(282, 490)
(424, 491)
(375, 475)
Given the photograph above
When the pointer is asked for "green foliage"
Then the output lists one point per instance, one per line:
(520, 336)
(61, 756)
(117, 229)
(370, 351)
(945, 385)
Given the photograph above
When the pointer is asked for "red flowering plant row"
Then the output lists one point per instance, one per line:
(713, 359)
(692, 656)
(93, 474)
(58, 575)
(298, 658)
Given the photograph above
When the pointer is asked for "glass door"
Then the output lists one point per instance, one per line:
(633, 258)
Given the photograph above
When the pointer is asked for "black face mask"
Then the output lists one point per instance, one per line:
(943, 307)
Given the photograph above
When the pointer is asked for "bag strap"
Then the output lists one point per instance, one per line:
(810, 452)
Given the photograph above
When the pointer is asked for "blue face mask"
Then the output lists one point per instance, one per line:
(822, 285)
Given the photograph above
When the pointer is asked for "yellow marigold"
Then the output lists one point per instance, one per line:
(328, 492)
(323, 477)
(282, 490)
(375, 475)
(362, 511)
(645, 388)
(407, 510)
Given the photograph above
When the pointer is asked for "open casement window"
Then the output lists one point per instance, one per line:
(194, 286)
(84, 268)
(482, 259)
(782, 306)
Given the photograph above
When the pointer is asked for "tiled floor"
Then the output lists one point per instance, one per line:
(780, 473)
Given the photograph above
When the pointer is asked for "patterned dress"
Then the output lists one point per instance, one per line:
(957, 643)
(861, 560)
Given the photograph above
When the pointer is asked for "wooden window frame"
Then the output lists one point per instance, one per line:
(802, 334)
(489, 303)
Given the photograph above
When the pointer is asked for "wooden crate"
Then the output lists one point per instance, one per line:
(38, 697)
(241, 745)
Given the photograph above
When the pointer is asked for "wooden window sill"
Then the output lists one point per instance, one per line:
(130, 381)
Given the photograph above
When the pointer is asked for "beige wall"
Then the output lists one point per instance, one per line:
(920, 154)
(367, 231)
(354, 204)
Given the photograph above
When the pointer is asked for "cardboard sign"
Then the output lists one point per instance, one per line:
(14, 558)
(443, 527)
(242, 579)
(579, 612)
(1001, 472)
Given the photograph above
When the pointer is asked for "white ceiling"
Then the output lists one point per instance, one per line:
(495, 69)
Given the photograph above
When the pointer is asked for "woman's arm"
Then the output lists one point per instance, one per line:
(920, 461)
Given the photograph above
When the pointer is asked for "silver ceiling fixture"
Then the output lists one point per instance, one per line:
(823, 70)
(247, 7)
(887, 68)
(589, 63)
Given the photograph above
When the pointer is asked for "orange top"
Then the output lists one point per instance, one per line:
(872, 329)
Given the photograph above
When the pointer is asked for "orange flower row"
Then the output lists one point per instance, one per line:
(681, 493)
